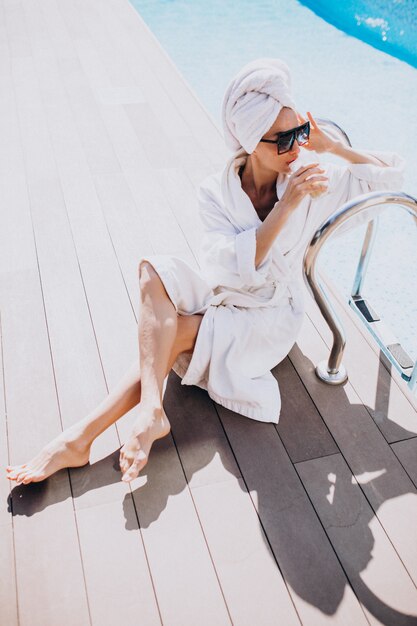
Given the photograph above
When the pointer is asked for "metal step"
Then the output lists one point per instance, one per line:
(384, 336)
(367, 311)
(401, 356)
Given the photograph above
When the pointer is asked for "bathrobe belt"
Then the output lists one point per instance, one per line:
(283, 288)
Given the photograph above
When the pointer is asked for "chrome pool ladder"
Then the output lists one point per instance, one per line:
(333, 371)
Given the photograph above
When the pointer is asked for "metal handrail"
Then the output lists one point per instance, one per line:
(333, 371)
(333, 129)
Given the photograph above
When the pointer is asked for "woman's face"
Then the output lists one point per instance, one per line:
(266, 153)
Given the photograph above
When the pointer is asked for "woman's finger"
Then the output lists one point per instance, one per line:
(306, 171)
(312, 184)
(306, 168)
(312, 120)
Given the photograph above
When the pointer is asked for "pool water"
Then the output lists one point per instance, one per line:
(370, 94)
(389, 25)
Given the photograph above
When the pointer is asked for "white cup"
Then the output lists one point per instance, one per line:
(321, 186)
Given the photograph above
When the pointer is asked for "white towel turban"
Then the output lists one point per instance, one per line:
(253, 100)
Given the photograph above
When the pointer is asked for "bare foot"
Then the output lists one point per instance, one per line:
(69, 449)
(151, 424)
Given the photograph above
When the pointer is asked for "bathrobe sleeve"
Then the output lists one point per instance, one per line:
(353, 179)
(227, 256)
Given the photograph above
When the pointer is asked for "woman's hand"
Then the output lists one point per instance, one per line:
(308, 179)
(318, 140)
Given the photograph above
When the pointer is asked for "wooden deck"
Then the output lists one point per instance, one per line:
(232, 521)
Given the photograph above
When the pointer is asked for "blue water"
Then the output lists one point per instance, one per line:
(370, 94)
(389, 25)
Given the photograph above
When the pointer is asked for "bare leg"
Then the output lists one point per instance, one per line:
(157, 332)
(72, 447)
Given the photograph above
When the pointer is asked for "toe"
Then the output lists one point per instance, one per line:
(12, 475)
(127, 460)
(13, 468)
(124, 465)
(130, 474)
(134, 470)
(21, 475)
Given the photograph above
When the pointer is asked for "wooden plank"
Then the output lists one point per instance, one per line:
(106, 553)
(97, 145)
(301, 428)
(177, 112)
(75, 28)
(127, 145)
(86, 233)
(159, 133)
(377, 388)
(318, 585)
(85, 110)
(204, 127)
(113, 42)
(115, 329)
(157, 237)
(178, 555)
(116, 88)
(98, 488)
(383, 480)
(125, 226)
(46, 541)
(18, 43)
(8, 593)
(251, 582)
(27, 368)
(58, 32)
(205, 453)
(253, 586)
(163, 230)
(181, 195)
(406, 452)
(158, 145)
(73, 166)
(71, 335)
(5, 511)
(103, 51)
(375, 572)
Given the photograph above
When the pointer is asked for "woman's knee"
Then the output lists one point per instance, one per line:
(148, 275)
(150, 283)
(145, 270)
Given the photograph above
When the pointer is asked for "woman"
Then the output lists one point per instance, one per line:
(225, 328)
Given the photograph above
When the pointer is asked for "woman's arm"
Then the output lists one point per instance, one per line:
(319, 141)
(351, 155)
(242, 258)
(227, 255)
(300, 183)
(365, 171)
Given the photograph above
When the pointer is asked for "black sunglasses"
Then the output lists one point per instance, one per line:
(285, 140)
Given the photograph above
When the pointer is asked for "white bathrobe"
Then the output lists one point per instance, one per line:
(252, 316)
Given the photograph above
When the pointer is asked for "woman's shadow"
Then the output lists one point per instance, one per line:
(209, 444)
